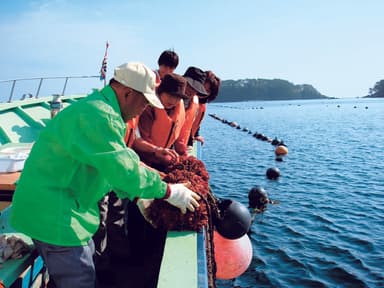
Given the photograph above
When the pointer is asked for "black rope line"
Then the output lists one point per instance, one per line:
(260, 136)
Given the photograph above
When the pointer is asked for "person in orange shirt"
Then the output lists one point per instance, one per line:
(160, 128)
(168, 61)
(212, 86)
(130, 136)
(196, 79)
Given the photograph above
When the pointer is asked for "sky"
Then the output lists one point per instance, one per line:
(335, 45)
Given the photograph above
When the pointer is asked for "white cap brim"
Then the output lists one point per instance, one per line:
(153, 100)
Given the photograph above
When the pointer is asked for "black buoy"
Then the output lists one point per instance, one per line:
(234, 220)
(258, 198)
(273, 173)
(275, 142)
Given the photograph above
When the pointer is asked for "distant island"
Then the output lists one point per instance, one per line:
(377, 91)
(264, 89)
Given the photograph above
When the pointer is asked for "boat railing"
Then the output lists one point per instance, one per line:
(40, 83)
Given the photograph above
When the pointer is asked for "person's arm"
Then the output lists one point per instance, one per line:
(165, 155)
(197, 137)
(196, 125)
(181, 142)
(99, 142)
(145, 122)
(145, 146)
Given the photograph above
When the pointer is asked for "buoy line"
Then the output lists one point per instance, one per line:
(257, 196)
(238, 108)
(260, 136)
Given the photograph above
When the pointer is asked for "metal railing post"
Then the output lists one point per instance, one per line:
(65, 86)
(13, 88)
(38, 89)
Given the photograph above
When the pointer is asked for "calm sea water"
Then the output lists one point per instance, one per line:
(328, 230)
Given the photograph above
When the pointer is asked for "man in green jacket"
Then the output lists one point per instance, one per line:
(77, 159)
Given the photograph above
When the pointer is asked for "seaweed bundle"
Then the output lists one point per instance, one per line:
(165, 216)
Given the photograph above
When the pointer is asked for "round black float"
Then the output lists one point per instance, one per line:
(234, 220)
(258, 198)
(273, 173)
(275, 142)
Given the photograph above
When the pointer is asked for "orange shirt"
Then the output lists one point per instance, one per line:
(190, 114)
(199, 118)
(160, 128)
(130, 135)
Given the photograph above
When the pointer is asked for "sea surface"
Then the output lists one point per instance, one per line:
(328, 229)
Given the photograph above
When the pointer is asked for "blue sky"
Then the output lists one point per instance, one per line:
(337, 46)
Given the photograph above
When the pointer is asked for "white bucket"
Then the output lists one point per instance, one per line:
(12, 157)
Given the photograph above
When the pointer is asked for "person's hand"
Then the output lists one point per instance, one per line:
(143, 205)
(162, 174)
(200, 139)
(183, 198)
(166, 155)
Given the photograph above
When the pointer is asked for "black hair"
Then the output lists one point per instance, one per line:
(169, 58)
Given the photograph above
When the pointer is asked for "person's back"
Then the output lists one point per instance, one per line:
(63, 181)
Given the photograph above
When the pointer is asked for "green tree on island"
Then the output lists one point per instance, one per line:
(265, 89)
(377, 90)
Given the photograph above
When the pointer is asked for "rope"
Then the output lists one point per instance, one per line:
(213, 213)
(256, 135)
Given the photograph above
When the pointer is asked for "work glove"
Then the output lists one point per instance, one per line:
(182, 198)
(143, 204)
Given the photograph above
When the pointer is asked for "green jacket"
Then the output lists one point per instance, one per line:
(78, 158)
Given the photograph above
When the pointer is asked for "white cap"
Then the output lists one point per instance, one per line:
(139, 77)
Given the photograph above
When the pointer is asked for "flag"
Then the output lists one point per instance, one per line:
(103, 70)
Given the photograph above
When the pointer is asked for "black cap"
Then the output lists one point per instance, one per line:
(196, 78)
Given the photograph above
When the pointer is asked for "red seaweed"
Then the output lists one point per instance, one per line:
(167, 217)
